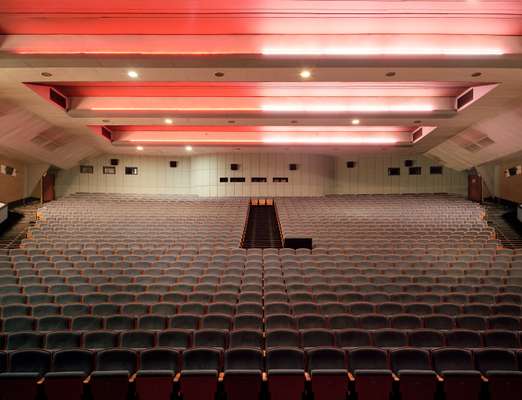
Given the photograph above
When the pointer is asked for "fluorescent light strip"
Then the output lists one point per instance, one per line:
(333, 51)
(347, 108)
(370, 51)
(278, 140)
(320, 108)
(328, 140)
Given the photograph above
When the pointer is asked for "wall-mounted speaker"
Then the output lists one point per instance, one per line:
(173, 164)
(292, 167)
(408, 163)
(114, 161)
(350, 164)
(234, 167)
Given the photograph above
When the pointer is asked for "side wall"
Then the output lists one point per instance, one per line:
(313, 177)
(12, 188)
(154, 176)
(509, 188)
(316, 175)
(370, 176)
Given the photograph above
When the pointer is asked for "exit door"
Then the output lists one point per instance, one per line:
(47, 188)
(475, 188)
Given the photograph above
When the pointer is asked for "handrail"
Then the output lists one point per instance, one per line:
(278, 223)
(4, 212)
(245, 227)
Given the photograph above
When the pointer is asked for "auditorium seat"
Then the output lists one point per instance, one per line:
(25, 369)
(416, 376)
(500, 368)
(110, 378)
(154, 378)
(371, 372)
(243, 373)
(69, 369)
(328, 372)
(199, 374)
(461, 380)
(285, 370)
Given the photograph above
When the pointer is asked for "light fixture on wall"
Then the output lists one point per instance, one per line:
(133, 74)
(139, 148)
(355, 121)
(168, 121)
(188, 148)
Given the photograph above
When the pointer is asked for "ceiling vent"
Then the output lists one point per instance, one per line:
(106, 133)
(485, 142)
(59, 99)
(51, 141)
(464, 99)
(473, 141)
(472, 147)
(416, 135)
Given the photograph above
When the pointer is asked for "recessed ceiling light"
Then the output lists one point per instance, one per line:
(219, 74)
(168, 121)
(132, 74)
(355, 121)
(305, 74)
(188, 148)
(476, 74)
(139, 148)
(391, 73)
(46, 74)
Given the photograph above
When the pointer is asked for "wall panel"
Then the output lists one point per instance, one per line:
(12, 188)
(316, 175)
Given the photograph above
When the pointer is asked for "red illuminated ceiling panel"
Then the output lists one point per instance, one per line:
(259, 89)
(86, 99)
(255, 136)
(229, 17)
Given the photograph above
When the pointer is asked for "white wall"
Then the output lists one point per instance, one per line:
(154, 176)
(316, 175)
(370, 176)
(313, 177)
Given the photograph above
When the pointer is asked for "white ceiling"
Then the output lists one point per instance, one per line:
(30, 35)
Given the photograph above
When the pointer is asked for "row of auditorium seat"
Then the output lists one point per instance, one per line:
(325, 374)
(298, 291)
(251, 338)
(249, 321)
(407, 258)
(368, 251)
(316, 300)
(127, 305)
